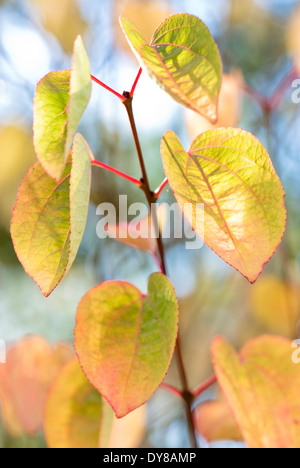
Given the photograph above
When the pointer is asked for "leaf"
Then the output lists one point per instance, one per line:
(139, 235)
(230, 173)
(276, 305)
(146, 15)
(56, 18)
(229, 107)
(73, 410)
(292, 37)
(17, 142)
(261, 385)
(214, 421)
(128, 432)
(49, 218)
(184, 60)
(125, 341)
(60, 100)
(30, 368)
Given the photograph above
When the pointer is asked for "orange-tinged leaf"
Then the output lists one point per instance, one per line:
(49, 218)
(293, 37)
(146, 15)
(30, 368)
(276, 305)
(229, 107)
(214, 421)
(128, 432)
(230, 173)
(261, 385)
(56, 18)
(183, 59)
(73, 410)
(139, 235)
(125, 341)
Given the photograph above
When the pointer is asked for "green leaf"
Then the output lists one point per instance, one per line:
(184, 60)
(74, 411)
(49, 218)
(230, 173)
(125, 341)
(60, 100)
(261, 386)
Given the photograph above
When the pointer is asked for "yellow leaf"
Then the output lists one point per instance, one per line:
(229, 108)
(18, 153)
(276, 305)
(261, 385)
(146, 15)
(62, 18)
(293, 37)
(30, 368)
(214, 421)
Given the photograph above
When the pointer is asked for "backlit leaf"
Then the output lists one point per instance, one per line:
(56, 18)
(125, 341)
(141, 234)
(229, 107)
(261, 385)
(146, 15)
(30, 368)
(276, 305)
(230, 173)
(16, 142)
(128, 432)
(184, 60)
(60, 100)
(49, 218)
(73, 410)
(214, 421)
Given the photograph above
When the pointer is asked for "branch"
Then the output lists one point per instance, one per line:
(186, 395)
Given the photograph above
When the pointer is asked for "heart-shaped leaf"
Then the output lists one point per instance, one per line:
(230, 173)
(73, 411)
(184, 59)
(125, 341)
(60, 100)
(49, 218)
(261, 385)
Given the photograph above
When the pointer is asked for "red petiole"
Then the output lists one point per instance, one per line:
(117, 172)
(122, 98)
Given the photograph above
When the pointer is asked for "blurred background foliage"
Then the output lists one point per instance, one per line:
(259, 42)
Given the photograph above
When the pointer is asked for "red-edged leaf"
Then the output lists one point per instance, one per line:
(229, 172)
(49, 218)
(261, 385)
(125, 341)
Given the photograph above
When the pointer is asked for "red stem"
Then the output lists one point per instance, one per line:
(116, 171)
(277, 97)
(136, 82)
(107, 88)
(174, 391)
(262, 101)
(160, 189)
(205, 386)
